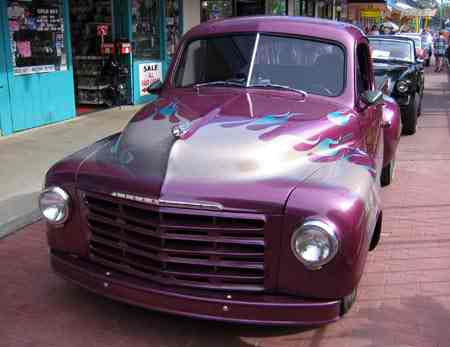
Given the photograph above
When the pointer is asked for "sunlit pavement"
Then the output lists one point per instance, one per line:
(404, 296)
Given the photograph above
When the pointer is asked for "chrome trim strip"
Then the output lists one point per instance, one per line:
(184, 204)
(252, 62)
(168, 203)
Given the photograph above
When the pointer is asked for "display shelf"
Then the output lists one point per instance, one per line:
(92, 73)
(91, 57)
(97, 87)
(91, 102)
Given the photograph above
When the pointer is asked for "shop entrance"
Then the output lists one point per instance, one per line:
(250, 7)
(96, 76)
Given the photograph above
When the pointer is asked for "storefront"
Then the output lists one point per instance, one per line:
(366, 14)
(212, 9)
(36, 77)
(54, 54)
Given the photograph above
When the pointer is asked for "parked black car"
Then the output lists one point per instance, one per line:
(397, 68)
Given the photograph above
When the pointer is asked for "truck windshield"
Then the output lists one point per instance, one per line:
(263, 61)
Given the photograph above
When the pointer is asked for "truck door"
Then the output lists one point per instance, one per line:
(372, 115)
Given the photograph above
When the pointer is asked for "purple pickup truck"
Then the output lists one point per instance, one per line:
(247, 191)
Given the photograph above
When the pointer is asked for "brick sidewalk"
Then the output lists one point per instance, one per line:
(404, 297)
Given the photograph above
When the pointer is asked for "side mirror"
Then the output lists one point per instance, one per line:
(155, 87)
(371, 97)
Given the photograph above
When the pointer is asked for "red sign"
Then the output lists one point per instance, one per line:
(102, 30)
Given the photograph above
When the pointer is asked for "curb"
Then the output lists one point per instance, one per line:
(19, 222)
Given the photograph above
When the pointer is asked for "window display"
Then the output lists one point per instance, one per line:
(214, 9)
(37, 36)
(277, 7)
(173, 26)
(146, 29)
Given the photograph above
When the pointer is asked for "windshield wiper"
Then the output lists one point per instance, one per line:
(278, 86)
(218, 83)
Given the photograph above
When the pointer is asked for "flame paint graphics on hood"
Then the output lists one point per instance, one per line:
(318, 150)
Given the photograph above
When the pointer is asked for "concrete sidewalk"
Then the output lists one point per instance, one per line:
(25, 157)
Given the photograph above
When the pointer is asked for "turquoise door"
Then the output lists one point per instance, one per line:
(5, 107)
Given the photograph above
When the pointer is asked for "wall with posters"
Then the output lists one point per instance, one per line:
(38, 64)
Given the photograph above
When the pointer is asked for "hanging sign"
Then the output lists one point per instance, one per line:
(148, 74)
(371, 13)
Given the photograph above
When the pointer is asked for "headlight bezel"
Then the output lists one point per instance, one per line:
(65, 197)
(405, 83)
(328, 229)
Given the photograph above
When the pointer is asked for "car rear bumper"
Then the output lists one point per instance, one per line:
(231, 307)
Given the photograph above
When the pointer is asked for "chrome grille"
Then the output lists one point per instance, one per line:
(189, 248)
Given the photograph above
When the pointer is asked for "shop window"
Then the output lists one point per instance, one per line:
(304, 8)
(37, 36)
(277, 7)
(146, 29)
(173, 26)
(214, 9)
(300, 7)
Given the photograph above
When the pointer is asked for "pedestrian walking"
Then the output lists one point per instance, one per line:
(374, 30)
(427, 42)
(440, 47)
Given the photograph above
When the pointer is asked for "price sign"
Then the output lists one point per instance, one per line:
(148, 74)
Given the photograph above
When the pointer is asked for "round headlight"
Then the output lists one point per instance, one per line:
(315, 244)
(54, 205)
(402, 86)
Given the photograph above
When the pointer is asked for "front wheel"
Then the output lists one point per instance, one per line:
(348, 301)
(387, 174)
(410, 123)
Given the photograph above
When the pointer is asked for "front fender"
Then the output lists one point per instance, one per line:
(353, 210)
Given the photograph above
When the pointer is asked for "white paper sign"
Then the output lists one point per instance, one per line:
(149, 73)
(377, 54)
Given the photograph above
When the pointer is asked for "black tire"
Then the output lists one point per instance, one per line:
(348, 301)
(387, 174)
(410, 122)
(419, 110)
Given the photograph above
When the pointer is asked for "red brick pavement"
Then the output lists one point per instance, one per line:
(404, 297)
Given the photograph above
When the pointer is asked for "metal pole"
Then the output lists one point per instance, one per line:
(334, 9)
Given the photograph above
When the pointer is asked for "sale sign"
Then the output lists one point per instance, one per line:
(148, 74)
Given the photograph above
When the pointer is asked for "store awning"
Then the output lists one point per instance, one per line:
(409, 11)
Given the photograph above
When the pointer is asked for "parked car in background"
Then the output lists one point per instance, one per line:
(395, 60)
(423, 49)
(248, 191)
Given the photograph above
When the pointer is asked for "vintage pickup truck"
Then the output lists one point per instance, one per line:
(247, 191)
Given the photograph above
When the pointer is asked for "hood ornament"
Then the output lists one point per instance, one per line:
(179, 130)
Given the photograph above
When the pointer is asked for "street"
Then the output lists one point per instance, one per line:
(403, 299)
